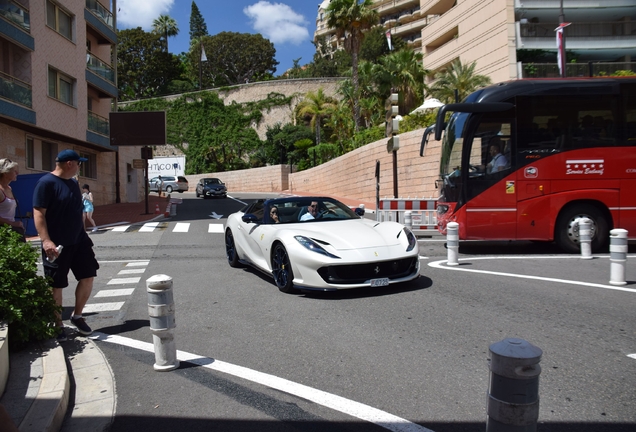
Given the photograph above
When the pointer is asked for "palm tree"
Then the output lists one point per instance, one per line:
(165, 26)
(402, 72)
(350, 18)
(457, 77)
(317, 106)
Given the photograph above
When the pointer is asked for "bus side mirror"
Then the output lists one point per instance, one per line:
(427, 133)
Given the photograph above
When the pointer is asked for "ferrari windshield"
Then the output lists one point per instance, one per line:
(306, 210)
(451, 157)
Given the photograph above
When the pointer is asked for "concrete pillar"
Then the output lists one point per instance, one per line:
(585, 237)
(513, 396)
(161, 312)
(452, 243)
(618, 256)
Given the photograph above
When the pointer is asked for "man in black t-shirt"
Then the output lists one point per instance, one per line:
(57, 212)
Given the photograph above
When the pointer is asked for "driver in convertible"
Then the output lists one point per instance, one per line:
(312, 212)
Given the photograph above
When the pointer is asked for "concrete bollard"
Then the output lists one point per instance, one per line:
(585, 237)
(513, 396)
(408, 219)
(618, 256)
(452, 243)
(161, 312)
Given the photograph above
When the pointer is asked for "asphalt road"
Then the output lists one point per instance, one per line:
(408, 358)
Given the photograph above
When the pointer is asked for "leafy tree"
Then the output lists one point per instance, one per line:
(350, 18)
(340, 121)
(316, 106)
(144, 69)
(198, 29)
(235, 58)
(403, 72)
(280, 140)
(457, 77)
(165, 26)
(375, 45)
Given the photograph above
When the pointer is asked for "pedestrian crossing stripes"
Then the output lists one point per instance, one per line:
(95, 304)
(179, 227)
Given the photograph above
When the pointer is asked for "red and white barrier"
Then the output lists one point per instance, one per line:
(423, 212)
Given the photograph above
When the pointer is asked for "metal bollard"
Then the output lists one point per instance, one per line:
(452, 243)
(513, 396)
(585, 237)
(408, 219)
(618, 256)
(161, 312)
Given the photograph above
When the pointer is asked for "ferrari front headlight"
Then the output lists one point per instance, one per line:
(313, 246)
(411, 239)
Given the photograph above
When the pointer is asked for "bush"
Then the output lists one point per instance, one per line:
(26, 300)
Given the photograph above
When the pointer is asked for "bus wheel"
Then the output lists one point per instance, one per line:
(567, 230)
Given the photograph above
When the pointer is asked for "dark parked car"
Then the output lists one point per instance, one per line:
(211, 187)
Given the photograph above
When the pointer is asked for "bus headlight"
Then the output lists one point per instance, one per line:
(442, 209)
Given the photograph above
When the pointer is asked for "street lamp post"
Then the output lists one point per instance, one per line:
(562, 45)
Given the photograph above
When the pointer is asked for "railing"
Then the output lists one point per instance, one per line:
(100, 12)
(16, 14)
(551, 70)
(99, 67)
(15, 90)
(98, 124)
(577, 30)
(423, 213)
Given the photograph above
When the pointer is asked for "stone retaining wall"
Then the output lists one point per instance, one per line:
(351, 175)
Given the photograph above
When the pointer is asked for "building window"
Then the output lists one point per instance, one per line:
(59, 20)
(61, 87)
(88, 168)
(49, 153)
(30, 157)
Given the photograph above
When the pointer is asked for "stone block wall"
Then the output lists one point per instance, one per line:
(351, 175)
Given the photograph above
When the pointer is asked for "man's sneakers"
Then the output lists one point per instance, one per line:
(61, 336)
(81, 325)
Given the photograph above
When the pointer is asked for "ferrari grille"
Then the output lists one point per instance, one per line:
(359, 273)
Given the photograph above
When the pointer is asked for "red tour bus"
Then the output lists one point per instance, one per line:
(524, 160)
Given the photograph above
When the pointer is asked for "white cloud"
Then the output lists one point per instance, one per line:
(278, 22)
(141, 13)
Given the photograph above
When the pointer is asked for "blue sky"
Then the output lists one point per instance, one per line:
(288, 24)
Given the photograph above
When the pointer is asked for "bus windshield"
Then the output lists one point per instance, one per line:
(452, 143)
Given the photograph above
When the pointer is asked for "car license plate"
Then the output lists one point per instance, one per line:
(379, 282)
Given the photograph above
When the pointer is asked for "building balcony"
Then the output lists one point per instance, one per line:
(590, 69)
(16, 99)
(15, 90)
(101, 76)
(101, 19)
(412, 27)
(15, 24)
(590, 40)
(98, 124)
(392, 6)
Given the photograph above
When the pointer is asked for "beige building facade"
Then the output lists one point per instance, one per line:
(489, 32)
(57, 87)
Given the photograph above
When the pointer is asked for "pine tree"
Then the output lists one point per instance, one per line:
(198, 28)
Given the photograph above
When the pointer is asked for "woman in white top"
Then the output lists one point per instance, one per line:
(8, 204)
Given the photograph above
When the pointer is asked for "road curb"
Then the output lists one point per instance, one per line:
(49, 406)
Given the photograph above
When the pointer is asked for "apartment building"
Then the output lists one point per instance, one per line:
(489, 32)
(57, 87)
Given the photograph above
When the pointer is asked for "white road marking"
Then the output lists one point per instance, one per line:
(137, 263)
(215, 216)
(123, 281)
(149, 227)
(121, 228)
(131, 271)
(115, 292)
(438, 264)
(215, 228)
(336, 403)
(181, 227)
(632, 356)
(103, 307)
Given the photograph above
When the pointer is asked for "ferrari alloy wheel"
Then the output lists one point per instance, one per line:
(281, 269)
(230, 249)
